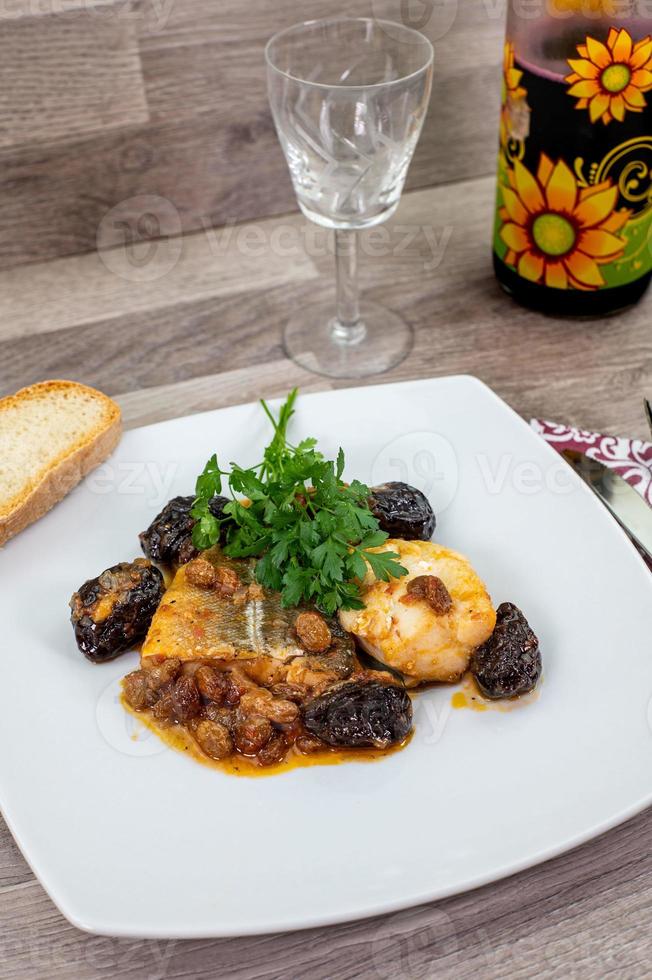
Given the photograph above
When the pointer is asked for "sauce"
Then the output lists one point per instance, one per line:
(178, 738)
(470, 696)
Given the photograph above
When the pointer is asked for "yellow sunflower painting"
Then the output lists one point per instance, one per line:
(557, 233)
(512, 88)
(514, 113)
(610, 79)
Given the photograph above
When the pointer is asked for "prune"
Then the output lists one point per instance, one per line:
(112, 612)
(509, 663)
(402, 511)
(360, 713)
(168, 539)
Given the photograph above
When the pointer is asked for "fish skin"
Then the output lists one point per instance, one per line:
(193, 623)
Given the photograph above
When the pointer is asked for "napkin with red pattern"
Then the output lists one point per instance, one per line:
(631, 458)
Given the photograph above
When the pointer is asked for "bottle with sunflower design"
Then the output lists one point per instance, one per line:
(573, 228)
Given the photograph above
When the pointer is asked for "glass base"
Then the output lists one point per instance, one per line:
(317, 342)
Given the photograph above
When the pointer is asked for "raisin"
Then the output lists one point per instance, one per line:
(201, 573)
(251, 733)
(225, 716)
(509, 663)
(226, 580)
(313, 632)
(213, 685)
(290, 692)
(187, 702)
(306, 744)
(292, 731)
(432, 589)
(214, 739)
(261, 702)
(273, 752)
(162, 674)
(136, 690)
(282, 712)
(164, 709)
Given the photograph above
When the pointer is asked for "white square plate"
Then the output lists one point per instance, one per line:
(130, 838)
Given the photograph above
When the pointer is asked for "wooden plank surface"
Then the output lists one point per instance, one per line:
(68, 74)
(180, 342)
(185, 117)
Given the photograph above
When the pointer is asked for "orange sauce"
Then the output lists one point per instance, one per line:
(470, 696)
(177, 738)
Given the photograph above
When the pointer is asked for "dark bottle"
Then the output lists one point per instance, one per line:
(573, 229)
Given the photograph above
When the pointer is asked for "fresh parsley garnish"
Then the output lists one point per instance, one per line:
(312, 533)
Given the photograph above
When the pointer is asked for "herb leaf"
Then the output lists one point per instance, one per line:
(313, 535)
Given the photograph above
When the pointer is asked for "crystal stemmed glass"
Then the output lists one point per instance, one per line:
(348, 97)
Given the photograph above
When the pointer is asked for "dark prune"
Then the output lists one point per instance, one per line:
(509, 663)
(402, 511)
(360, 713)
(112, 612)
(168, 539)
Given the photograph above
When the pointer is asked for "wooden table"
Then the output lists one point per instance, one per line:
(194, 324)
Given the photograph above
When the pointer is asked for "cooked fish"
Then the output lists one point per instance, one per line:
(426, 624)
(215, 610)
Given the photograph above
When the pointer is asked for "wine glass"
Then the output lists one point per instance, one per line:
(348, 97)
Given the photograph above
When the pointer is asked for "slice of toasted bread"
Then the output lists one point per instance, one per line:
(51, 435)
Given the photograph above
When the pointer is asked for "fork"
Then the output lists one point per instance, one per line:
(648, 413)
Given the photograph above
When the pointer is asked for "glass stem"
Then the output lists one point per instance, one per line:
(348, 328)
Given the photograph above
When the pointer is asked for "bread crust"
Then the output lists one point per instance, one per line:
(71, 466)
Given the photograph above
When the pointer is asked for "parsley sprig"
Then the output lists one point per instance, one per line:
(312, 534)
